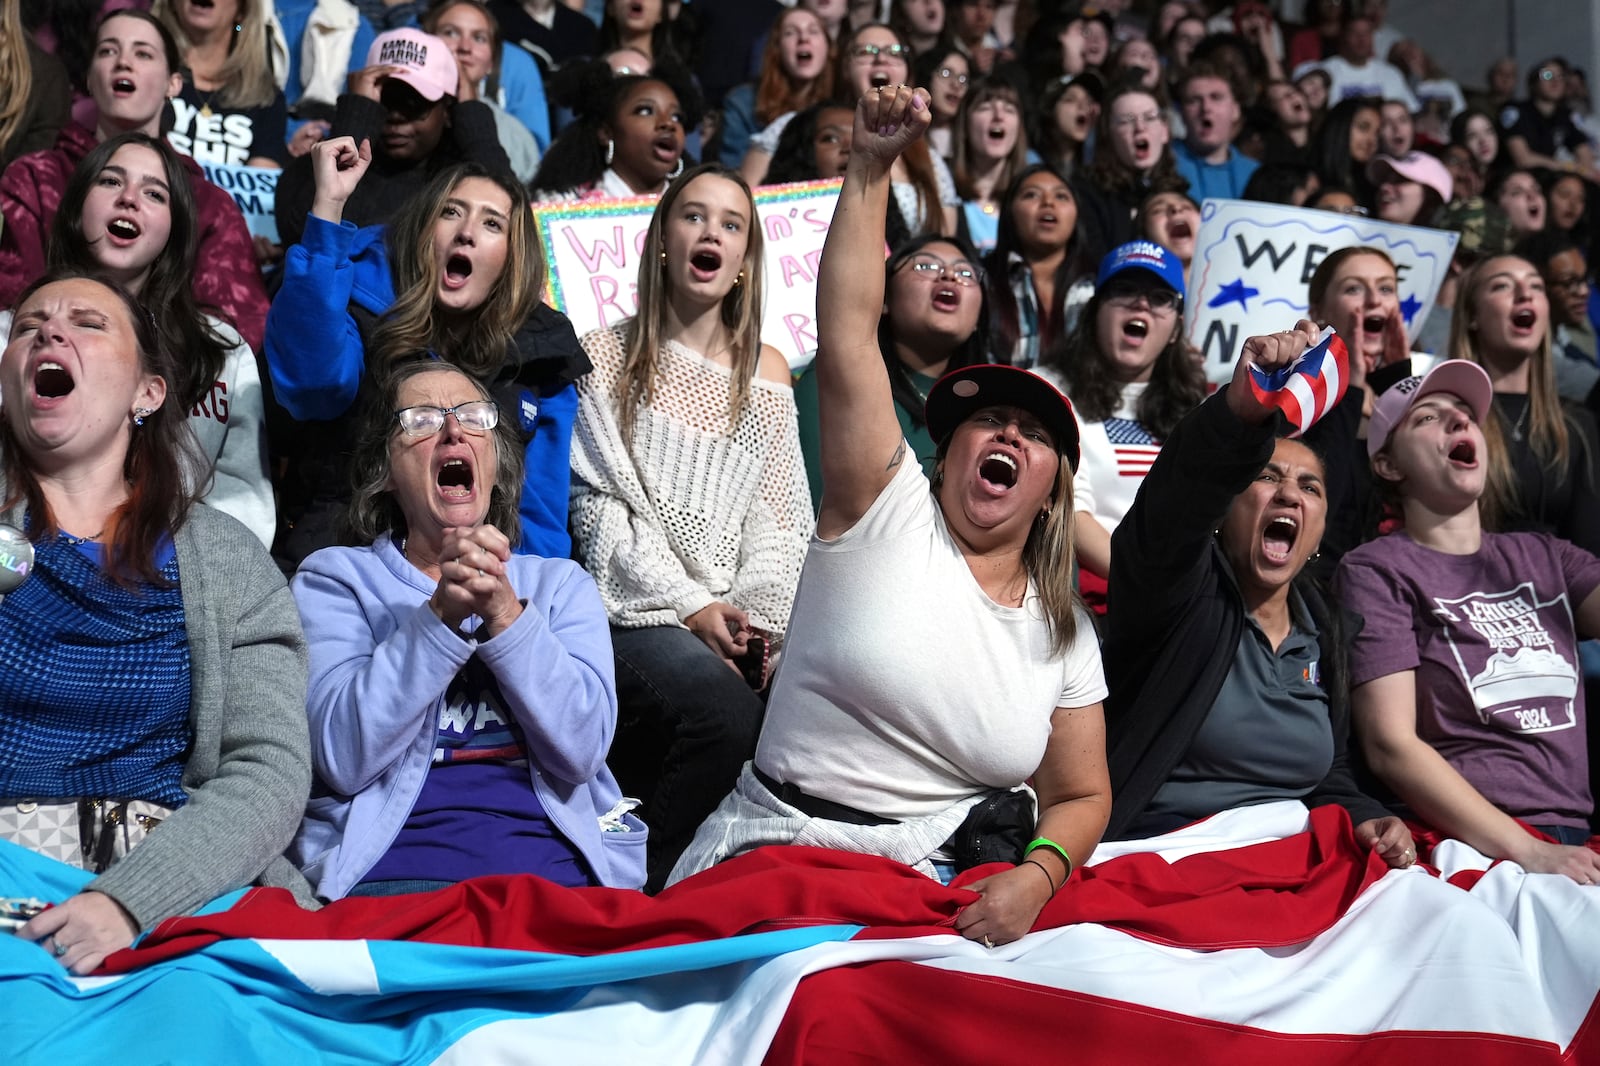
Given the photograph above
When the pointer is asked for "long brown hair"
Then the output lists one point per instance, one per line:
(414, 325)
(741, 309)
(163, 468)
(985, 90)
(1547, 422)
(776, 92)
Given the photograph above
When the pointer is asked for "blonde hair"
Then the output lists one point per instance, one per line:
(741, 309)
(1547, 422)
(246, 75)
(16, 70)
(475, 342)
(1047, 556)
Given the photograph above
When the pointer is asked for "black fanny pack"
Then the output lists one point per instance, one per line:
(997, 829)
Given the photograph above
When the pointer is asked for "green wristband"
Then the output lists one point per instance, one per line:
(1046, 842)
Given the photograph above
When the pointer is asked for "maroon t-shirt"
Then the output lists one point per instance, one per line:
(1492, 639)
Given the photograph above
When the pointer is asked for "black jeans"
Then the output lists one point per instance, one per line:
(686, 724)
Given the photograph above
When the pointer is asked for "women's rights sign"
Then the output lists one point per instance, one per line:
(593, 249)
(1253, 263)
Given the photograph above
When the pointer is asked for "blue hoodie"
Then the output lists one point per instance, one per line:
(317, 360)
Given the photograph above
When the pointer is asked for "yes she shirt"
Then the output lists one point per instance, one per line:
(212, 133)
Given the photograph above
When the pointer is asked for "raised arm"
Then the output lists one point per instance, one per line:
(1211, 456)
(862, 444)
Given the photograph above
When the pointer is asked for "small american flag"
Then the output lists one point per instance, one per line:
(1135, 447)
(1308, 388)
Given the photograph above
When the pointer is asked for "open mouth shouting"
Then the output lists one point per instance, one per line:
(1524, 319)
(1464, 454)
(997, 132)
(879, 79)
(946, 298)
(51, 380)
(1141, 150)
(998, 471)
(123, 230)
(457, 271)
(455, 480)
(1374, 323)
(121, 87)
(1179, 230)
(1277, 539)
(667, 147)
(1135, 330)
(705, 264)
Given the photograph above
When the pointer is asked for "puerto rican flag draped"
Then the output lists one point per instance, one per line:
(1263, 935)
(1308, 388)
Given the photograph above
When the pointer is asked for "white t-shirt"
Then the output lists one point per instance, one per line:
(905, 688)
(1116, 456)
(1372, 78)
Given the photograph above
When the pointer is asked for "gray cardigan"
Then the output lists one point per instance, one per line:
(249, 771)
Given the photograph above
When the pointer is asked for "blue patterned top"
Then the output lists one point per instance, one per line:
(94, 682)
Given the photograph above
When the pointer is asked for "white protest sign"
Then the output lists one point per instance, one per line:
(1254, 261)
(593, 246)
(254, 189)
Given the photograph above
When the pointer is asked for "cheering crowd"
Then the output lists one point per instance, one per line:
(357, 571)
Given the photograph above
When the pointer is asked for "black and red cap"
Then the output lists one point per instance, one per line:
(959, 393)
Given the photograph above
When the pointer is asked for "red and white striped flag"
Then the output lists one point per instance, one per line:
(1308, 388)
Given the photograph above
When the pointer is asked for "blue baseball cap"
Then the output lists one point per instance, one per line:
(1142, 255)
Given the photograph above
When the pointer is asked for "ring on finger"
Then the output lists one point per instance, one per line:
(57, 948)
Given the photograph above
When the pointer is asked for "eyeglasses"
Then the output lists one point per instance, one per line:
(873, 51)
(1161, 301)
(1572, 284)
(964, 272)
(1551, 74)
(1133, 122)
(949, 75)
(475, 416)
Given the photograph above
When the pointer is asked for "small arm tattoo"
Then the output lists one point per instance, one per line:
(899, 455)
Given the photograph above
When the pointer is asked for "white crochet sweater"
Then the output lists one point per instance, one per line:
(689, 512)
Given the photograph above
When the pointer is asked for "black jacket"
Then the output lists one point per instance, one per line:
(388, 183)
(1176, 617)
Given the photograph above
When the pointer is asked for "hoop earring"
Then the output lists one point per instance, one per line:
(611, 151)
(677, 170)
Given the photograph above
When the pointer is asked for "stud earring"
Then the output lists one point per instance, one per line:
(139, 414)
(663, 258)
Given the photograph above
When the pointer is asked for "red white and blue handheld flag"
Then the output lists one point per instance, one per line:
(1308, 388)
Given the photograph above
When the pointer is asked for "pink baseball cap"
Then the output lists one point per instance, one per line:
(426, 62)
(1458, 377)
(1419, 167)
